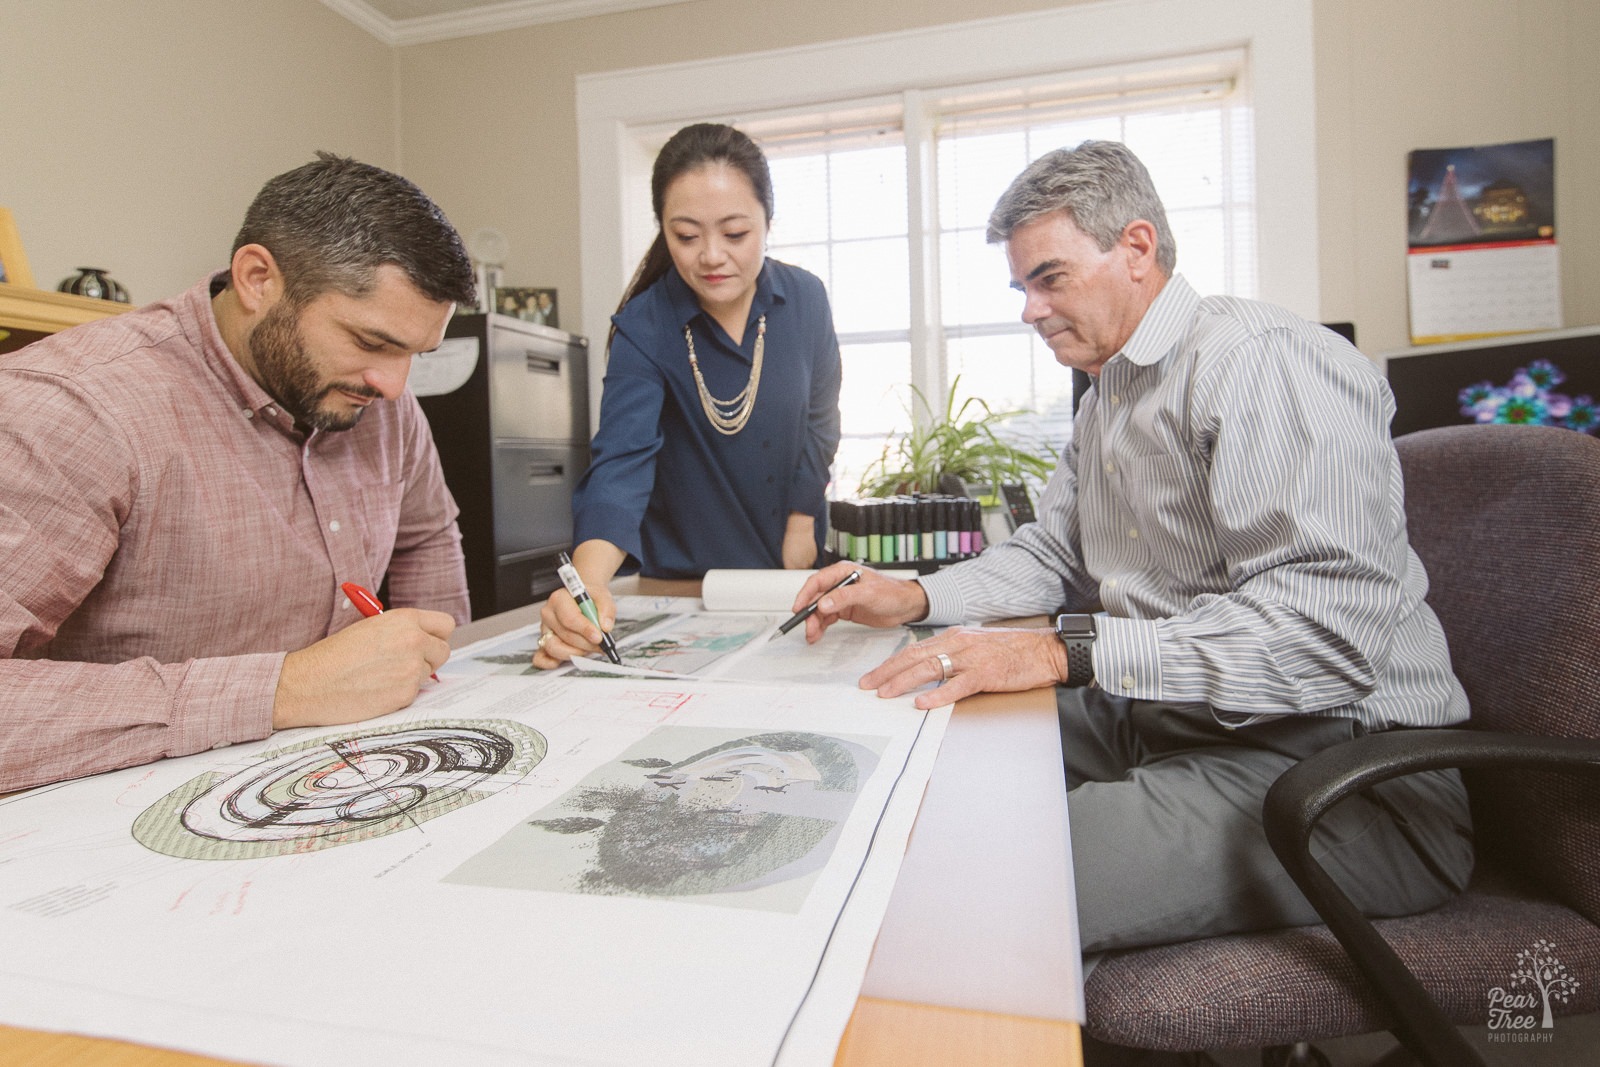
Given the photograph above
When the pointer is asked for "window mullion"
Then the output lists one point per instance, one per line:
(928, 371)
(1228, 209)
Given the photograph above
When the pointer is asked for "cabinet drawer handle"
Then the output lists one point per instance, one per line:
(545, 472)
(538, 364)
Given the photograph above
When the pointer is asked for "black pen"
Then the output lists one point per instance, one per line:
(574, 584)
(801, 616)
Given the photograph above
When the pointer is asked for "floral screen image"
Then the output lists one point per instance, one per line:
(1530, 398)
(1548, 379)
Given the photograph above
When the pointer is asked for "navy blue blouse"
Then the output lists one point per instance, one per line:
(664, 486)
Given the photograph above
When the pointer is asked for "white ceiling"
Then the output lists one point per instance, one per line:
(418, 21)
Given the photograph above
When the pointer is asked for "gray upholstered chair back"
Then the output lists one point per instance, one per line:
(1506, 520)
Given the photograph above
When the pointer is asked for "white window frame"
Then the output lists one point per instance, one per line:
(616, 224)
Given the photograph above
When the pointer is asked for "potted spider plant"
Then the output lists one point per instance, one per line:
(963, 440)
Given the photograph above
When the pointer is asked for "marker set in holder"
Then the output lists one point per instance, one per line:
(901, 529)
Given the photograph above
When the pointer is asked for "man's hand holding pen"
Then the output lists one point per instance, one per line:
(372, 667)
(872, 601)
(961, 661)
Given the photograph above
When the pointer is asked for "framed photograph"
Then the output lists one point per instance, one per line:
(529, 305)
(13, 262)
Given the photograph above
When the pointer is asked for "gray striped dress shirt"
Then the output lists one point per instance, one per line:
(1232, 500)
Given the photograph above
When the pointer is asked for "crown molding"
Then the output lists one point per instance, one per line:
(489, 18)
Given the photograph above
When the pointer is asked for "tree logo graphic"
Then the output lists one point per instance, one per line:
(1539, 980)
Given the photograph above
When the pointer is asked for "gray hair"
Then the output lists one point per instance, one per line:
(1101, 185)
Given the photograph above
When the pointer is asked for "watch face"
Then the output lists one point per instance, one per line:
(1075, 625)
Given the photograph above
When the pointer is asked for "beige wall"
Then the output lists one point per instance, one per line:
(490, 125)
(1395, 75)
(136, 133)
(489, 121)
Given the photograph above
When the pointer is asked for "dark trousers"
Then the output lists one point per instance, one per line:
(1164, 803)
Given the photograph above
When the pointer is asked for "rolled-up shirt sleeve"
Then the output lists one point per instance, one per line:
(611, 500)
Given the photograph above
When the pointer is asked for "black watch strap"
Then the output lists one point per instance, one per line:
(1077, 633)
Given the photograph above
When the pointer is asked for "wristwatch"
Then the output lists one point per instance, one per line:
(1077, 633)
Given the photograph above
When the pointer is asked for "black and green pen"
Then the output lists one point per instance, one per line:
(575, 586)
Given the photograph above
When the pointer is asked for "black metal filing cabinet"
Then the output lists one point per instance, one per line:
(513, 438)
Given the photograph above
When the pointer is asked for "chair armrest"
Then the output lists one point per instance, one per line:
(1305, 791)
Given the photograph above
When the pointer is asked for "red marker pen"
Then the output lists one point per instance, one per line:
(366, 603)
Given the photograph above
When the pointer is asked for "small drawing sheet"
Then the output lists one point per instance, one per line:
(517, 870)
(656, 639)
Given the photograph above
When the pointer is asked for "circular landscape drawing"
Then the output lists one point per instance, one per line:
(338, 790)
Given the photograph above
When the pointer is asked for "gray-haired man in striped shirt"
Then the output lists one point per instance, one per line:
(1230, 511)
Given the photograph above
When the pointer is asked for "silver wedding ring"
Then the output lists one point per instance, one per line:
(945, 667)
(543, 638)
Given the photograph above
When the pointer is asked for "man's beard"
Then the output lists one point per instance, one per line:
(287, 372)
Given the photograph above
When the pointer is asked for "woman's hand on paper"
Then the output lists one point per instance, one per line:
(872, 601)
(564, 632)
(975, 661)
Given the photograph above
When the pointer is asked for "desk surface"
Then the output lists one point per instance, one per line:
(882, 1032)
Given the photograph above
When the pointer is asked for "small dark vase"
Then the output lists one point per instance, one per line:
(94, 282)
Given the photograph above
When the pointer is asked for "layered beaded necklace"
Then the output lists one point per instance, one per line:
(728, 417)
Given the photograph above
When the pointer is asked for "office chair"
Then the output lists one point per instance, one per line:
(1506, 520)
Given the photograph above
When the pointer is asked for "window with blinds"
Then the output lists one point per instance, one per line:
(841, 194)
(888, 200)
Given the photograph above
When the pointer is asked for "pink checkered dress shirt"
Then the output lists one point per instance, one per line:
(166, 536)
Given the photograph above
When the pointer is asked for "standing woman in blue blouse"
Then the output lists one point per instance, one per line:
(720, 412)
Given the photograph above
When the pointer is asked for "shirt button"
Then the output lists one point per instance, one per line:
(1127, 681)
(249, 414)
(1115, 399)
(1111, 583)
(334, 525)
(1134, 534)
(273, 412)
(1111, 468)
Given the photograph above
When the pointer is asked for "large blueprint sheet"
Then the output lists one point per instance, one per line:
(516, 870)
